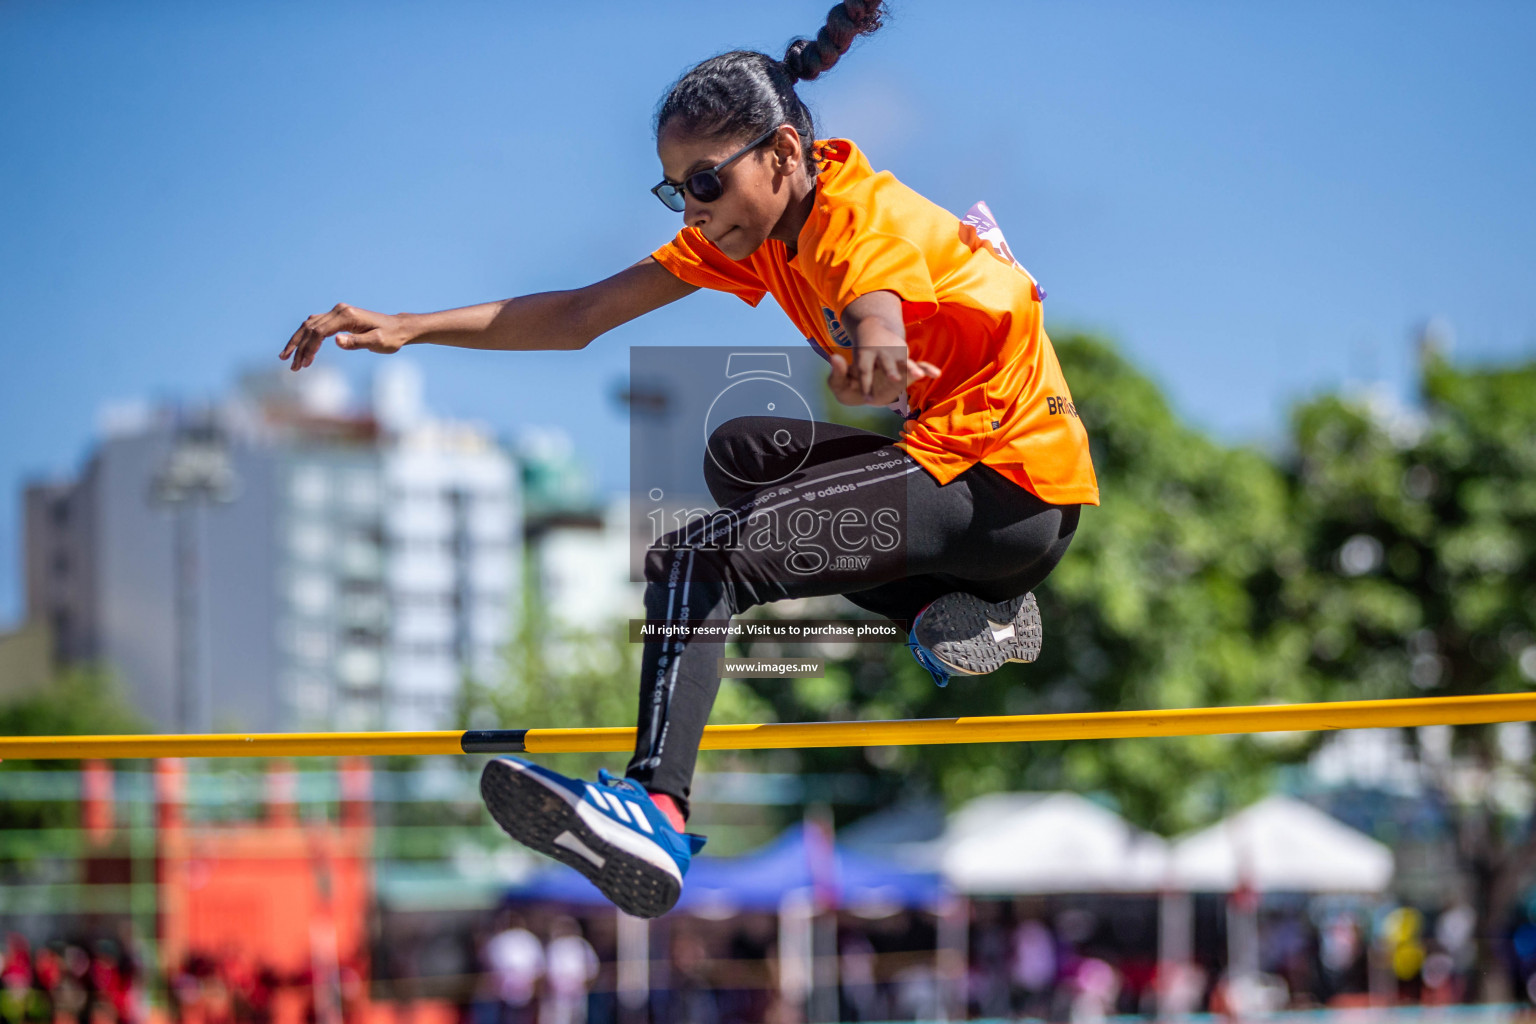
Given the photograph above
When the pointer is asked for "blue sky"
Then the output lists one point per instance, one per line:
(1257, 201)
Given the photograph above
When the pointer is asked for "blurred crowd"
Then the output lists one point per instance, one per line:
(1066, 960)
(529, 981)
(1076, 964)
(85, 980)
(233, 988)
(1052, 961)
(96, 980)
(543, 967)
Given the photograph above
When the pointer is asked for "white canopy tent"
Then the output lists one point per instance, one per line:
(1047, 843)
(1276, 845)
(1010, 843)
(1280, 845)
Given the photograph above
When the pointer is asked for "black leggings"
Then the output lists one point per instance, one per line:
(886, 535)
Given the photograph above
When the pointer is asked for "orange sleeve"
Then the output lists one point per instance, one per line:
(853, 258)
(695, 260)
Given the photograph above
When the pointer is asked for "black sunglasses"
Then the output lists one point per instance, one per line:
(704, 185)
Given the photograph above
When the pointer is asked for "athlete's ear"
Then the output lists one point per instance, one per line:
(787, 154)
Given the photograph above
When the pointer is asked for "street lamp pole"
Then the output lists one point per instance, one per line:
(198, 473)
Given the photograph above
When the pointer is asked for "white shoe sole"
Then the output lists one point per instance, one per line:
(636, 873)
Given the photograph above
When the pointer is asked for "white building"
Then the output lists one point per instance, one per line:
(346, 570)
(582, 567)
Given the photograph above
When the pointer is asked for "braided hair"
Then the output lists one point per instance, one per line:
(745, 93)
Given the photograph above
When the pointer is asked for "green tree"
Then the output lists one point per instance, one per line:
(1420, 554)
(80, 702)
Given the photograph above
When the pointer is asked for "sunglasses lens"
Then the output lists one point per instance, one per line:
(705, 186)
(672, 196)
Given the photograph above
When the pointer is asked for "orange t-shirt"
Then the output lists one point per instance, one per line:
(969, 309)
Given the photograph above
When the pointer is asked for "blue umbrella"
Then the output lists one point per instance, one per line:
(800, 858)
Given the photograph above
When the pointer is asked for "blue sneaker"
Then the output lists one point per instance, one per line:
(609, 831)
(960, 634)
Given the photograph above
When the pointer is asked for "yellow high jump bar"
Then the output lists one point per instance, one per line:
(1094, 725)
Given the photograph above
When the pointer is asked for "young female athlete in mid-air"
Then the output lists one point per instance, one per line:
(908, 303)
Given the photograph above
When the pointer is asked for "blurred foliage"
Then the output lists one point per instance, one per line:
(79, 702)
(1421, 537)
(1420, 580)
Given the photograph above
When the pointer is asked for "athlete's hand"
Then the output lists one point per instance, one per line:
(353, 327)
(878, 376)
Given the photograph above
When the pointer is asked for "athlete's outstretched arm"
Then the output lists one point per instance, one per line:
(546, 320)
